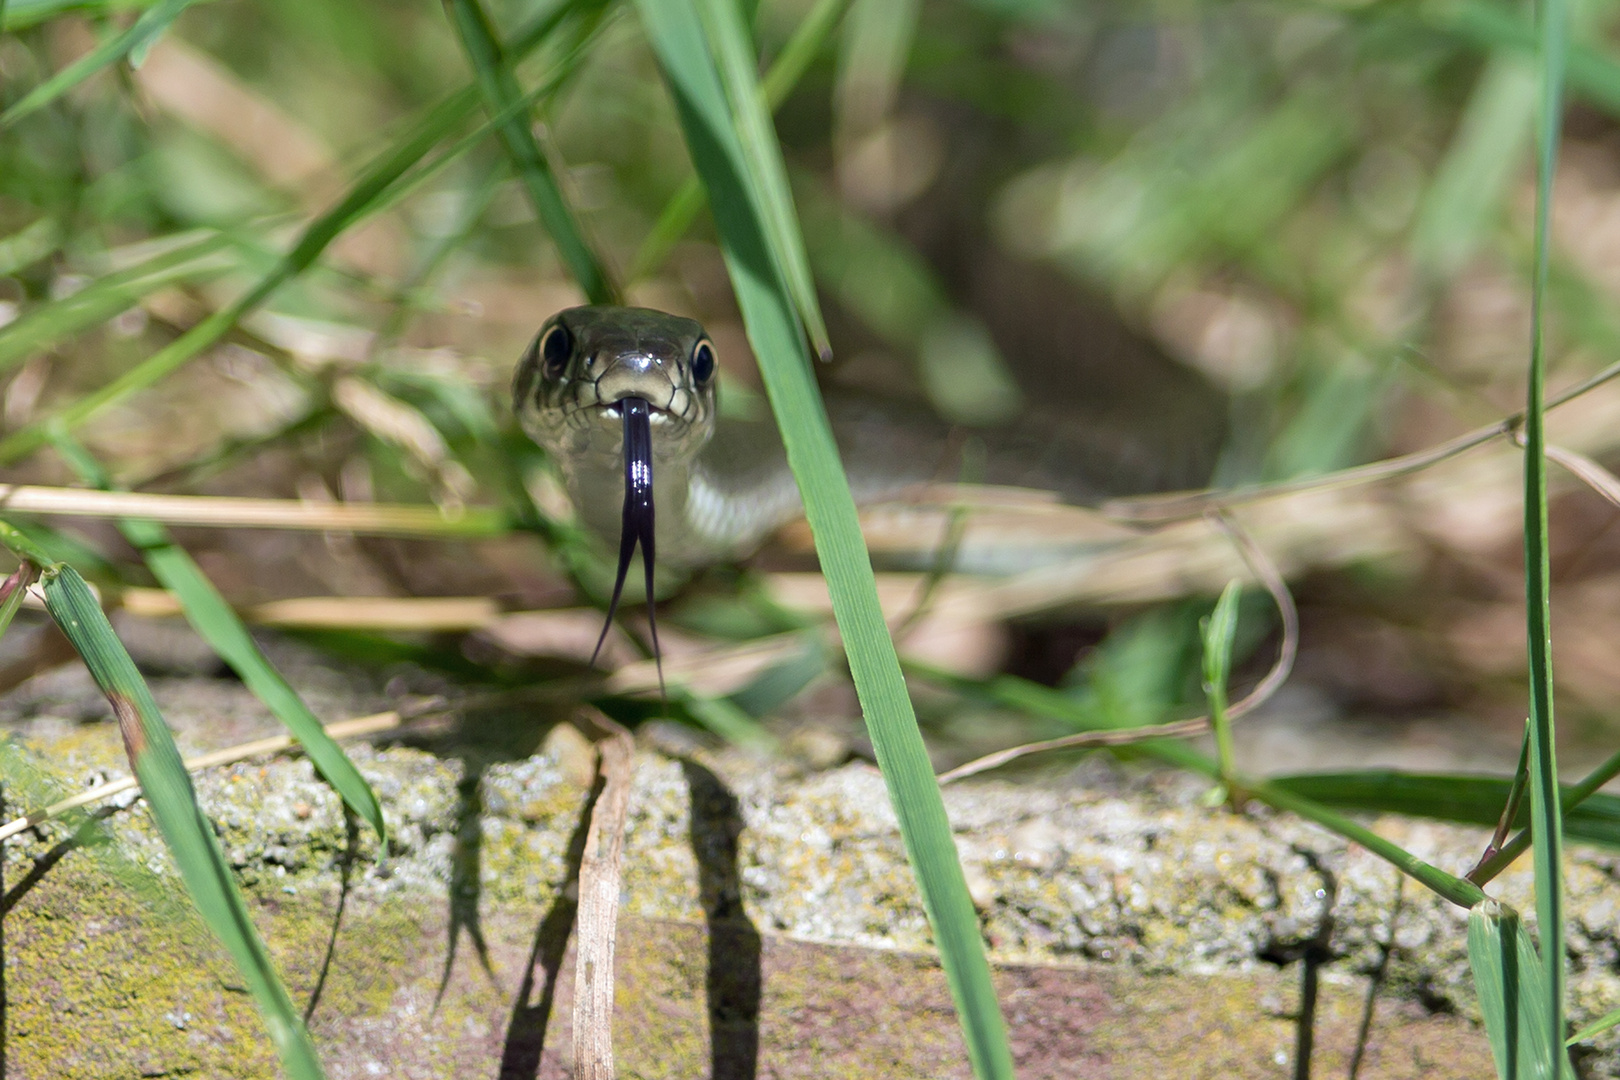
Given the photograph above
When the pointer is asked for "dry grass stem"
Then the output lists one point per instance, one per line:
(1160, 509)
(379, 613)
(598, 918)
(371, 519)
(1596, 477)
(275, 744)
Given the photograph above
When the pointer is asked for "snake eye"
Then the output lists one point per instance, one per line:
(555, 348)
(703, 361)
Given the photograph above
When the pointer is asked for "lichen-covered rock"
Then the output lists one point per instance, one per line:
(1136, 929)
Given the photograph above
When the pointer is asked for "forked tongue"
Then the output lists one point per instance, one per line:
(638, 519)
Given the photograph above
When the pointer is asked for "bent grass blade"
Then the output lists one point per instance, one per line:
(191, 259)
(133, 43)
(675, 30)
(751, 120)
(173, 803)
(499, 89)
(384, 180)
(784, 74)
(219, 625)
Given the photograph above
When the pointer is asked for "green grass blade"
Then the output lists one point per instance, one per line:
(1218, 631)
(675, 31)
(786, 71)
(29, 245)
(1510, 980)
(136, 40)
(799, 50)
(105, 297)
(1595, 1028)
(381, 183)
(724, 718)
(23, 546)
(217, 624)
(22, 14)
(751, 120)
(499, 88)
(1484, 158)
(1575, 796)
(173, 803)
(1546, 819)
(1485, 24)
(1469, 800)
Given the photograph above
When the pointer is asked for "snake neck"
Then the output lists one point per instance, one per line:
(719, 503)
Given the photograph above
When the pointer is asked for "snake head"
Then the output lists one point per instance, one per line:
(586, 361)
(606, 387)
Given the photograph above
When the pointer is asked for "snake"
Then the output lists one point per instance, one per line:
(624, 401)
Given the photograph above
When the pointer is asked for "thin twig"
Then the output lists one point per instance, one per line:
(1265, 571)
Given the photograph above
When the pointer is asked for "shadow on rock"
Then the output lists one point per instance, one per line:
(526, 1030)
(733, 984)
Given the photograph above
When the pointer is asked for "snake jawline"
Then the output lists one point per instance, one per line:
(638, 521)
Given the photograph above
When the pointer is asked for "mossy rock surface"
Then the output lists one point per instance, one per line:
(770, 926)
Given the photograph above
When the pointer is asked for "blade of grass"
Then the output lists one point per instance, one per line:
(1509, 978)
(22, 14)
(1484, 158)
(383, 181)
(27, 246)
(217, 624)
(1595, 1028)
(1574, 797)
(499, 89)
(1470, 800)
(675, 31)
(109, 295)
(1546, 818)
(173, 803)
(733, 51)
(1218, 631)
(23, 546)
(1593, 73)
(786, 71)
(133, 42)
(1512, 804)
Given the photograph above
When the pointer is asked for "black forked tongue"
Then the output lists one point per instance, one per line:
(638, 519)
